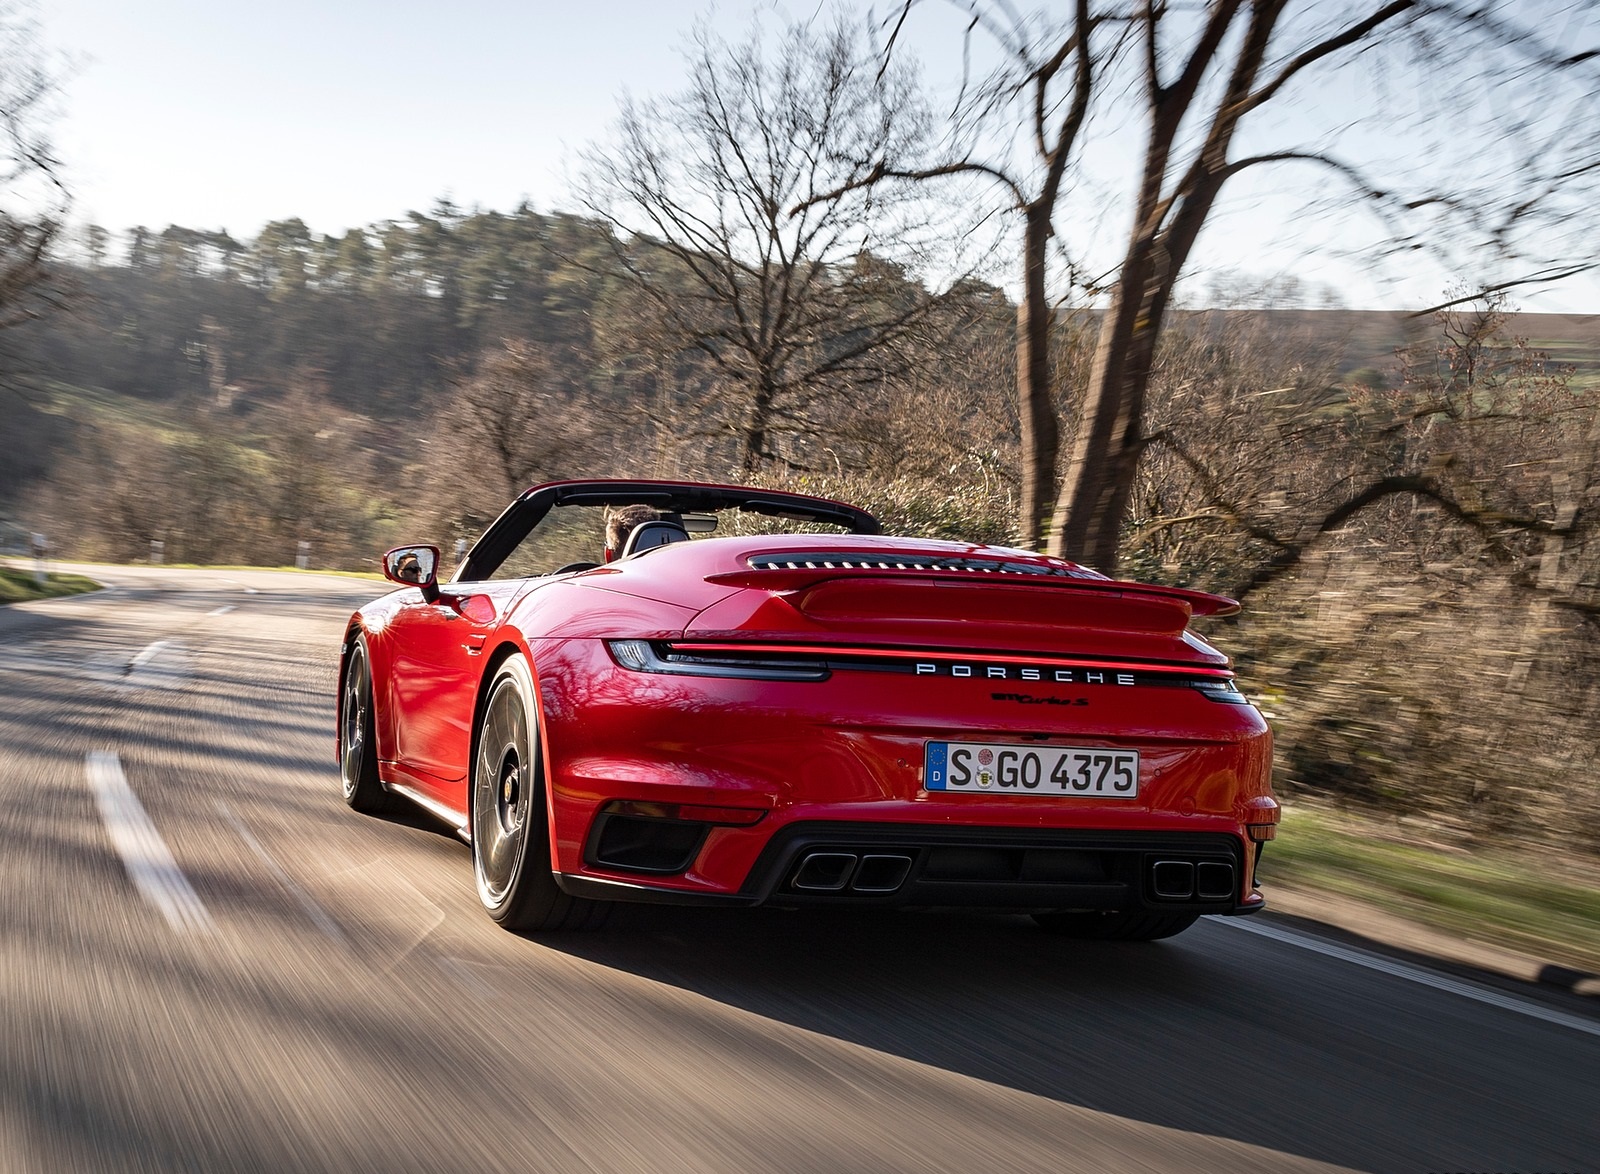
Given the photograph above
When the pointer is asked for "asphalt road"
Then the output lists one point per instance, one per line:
(208, 963)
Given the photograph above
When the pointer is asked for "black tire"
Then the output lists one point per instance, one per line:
(1115, 927)
(510, 832)
(358, 747)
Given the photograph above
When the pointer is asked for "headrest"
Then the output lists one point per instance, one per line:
(649, 535)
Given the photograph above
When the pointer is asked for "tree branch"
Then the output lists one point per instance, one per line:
(1213, 490)
(881, 172)
(1321, 49)
(1557, 273)
(1487, 524)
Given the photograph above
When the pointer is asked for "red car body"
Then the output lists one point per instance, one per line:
(769, 719)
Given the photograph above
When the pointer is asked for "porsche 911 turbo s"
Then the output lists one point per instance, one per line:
(703, 694)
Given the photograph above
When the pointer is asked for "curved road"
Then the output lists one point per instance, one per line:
(208, 963)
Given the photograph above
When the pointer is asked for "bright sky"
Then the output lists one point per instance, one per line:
(218, 113)
(223, 114)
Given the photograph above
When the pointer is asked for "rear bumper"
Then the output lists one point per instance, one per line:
(822, 863)
(837, 767)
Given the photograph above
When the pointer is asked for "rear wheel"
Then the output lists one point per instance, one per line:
(358, 750)
(1114, 927)
(510, 834)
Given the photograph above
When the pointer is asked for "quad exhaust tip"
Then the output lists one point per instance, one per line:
(881, 874)
(1213, 880)
(832, 872)
(1184, 880)
(824, 872)
(1172, 879)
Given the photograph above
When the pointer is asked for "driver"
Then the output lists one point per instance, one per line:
(408, 567)
(620, 523)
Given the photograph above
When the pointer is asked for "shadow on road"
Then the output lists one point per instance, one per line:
(1209, 1033)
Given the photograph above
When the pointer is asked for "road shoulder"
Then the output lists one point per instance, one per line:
(1361, 924)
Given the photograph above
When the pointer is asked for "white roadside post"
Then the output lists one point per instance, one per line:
(158, 552)
(461, 552)
(40, 546)
(303, 559)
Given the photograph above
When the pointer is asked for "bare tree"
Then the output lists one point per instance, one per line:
(1254, 53)
(1053, 84)
(1426, 552)
(768, 326)
(35, 199)
(512, 423)
(1196, 79)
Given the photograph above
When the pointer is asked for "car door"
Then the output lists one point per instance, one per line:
(437, 663)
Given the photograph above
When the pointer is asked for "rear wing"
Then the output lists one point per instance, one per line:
(788, 574)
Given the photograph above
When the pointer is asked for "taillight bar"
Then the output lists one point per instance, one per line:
(832, 651)
(818, 662)
(642, 656)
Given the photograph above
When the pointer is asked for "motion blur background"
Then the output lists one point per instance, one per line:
(459, 260)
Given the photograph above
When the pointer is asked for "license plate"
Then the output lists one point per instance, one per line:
(998, 768)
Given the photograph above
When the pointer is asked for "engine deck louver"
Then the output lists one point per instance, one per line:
(852, 561)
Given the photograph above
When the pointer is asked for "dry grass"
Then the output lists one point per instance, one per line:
(1518, 899)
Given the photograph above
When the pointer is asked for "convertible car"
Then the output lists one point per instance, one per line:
(707, 694)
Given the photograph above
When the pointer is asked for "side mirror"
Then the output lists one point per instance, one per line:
(414, 566)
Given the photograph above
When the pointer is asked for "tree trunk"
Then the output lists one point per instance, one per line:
(1087, 526)
(1035, 402)
(755, 432)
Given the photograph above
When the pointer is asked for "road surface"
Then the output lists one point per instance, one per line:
(210, 964)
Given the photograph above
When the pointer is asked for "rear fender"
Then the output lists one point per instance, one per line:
(492, 662)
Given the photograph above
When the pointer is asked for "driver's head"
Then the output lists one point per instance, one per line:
(620, 523)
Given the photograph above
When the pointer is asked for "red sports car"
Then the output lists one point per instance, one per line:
(708, 694)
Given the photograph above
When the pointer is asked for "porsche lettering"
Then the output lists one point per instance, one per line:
(1004, 672)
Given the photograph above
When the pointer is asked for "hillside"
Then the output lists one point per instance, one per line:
(1369, 338)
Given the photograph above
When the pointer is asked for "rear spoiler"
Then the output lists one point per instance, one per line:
(787, 580)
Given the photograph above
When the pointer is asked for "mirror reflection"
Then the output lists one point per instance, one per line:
(412, 564)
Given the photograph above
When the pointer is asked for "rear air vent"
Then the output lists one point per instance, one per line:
(855, 561)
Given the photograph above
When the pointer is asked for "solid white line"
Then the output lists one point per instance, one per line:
(221, 611)
(1416, 974)
(314, 911)
(144, 853)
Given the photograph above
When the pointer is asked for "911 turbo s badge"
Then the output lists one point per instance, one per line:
(1030, 699)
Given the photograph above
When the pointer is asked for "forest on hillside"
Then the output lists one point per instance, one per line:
(328, 389)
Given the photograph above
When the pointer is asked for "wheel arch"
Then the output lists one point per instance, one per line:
(501, 653)
(352, 630)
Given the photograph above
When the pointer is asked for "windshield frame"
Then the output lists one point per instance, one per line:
(517, 521)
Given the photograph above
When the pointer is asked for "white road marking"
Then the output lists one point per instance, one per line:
(320, 919)
(1439, 982)
(221, 611)
(148, 653)
(144, 853)
(158, 665)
